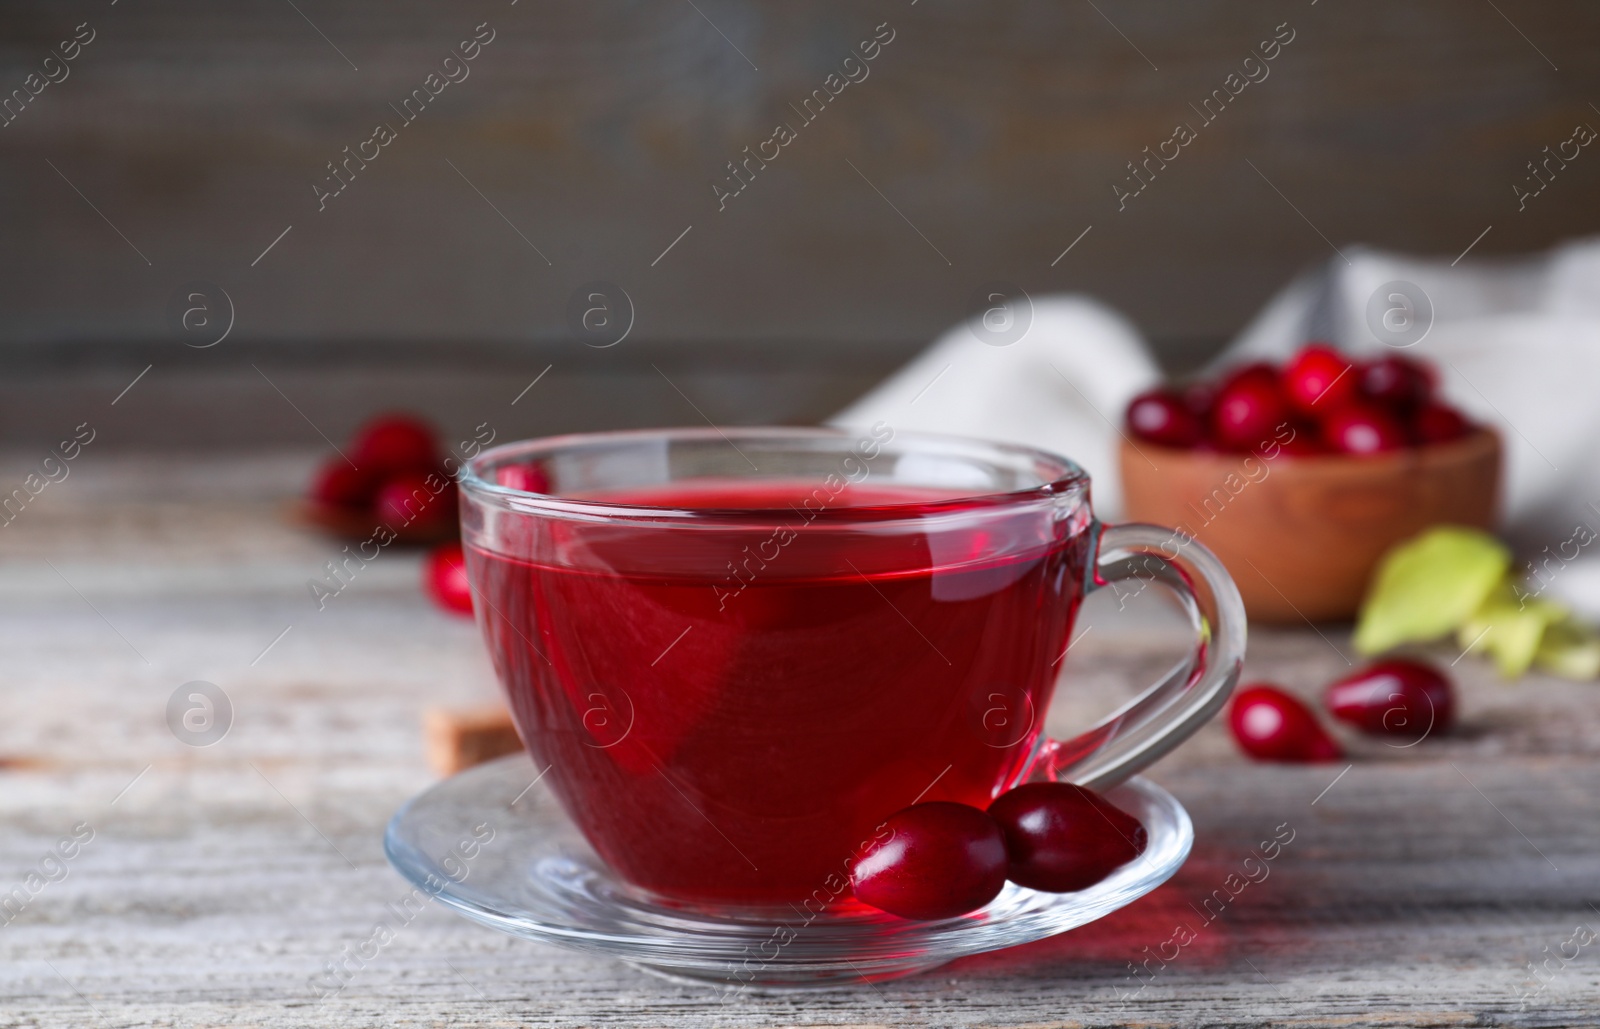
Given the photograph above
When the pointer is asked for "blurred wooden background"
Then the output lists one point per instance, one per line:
(985, 140)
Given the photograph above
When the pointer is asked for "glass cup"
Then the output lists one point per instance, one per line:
(734, 653)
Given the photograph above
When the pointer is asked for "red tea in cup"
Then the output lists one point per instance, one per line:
(732, 676)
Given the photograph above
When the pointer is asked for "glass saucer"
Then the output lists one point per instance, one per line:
(502, 852)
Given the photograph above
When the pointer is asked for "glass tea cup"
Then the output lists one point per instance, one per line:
(734, 653)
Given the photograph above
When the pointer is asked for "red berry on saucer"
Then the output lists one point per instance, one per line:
(444, 576)
(1396, 697)
(337, 484)
(1362, 428)
(933, 860)
(1061, 837)
(395, 443)
(1396, 382)
(1248, 410)
(417, 501)
(1161, 416)
(1320, 379)
(1438, 423)
(1271, 725)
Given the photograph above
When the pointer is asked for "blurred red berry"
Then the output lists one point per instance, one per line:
(1272, 725)
(337, 484)
(1161, 416)
(1398, 383)
(1362, 428)
(527, 478)
(1248, 411)
(1199, 397)
(394, 443)
(1260, 372)
(1438, 423)
(417, 501)
(1301, 439)
(1396, 697)
(444, 577)
(1320, 378)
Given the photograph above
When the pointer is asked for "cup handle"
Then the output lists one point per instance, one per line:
(1170, 711)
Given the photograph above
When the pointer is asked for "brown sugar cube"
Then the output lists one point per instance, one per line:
(458, 738)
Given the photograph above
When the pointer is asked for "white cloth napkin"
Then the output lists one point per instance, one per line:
(1517, 343)
(1060, 387)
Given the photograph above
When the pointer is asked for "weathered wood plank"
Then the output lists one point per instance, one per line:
(1406, 896)
(210, 400)
(598, 129)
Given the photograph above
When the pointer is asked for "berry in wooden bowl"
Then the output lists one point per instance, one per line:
(1306, 476)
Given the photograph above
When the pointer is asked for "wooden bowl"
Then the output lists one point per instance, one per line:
(1301, 535)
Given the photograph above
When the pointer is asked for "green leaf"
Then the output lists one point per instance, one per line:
(1510, 626)
(1569, 650)
(1429, 585)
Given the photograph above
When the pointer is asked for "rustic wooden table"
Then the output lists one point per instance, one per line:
(1449, 883)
